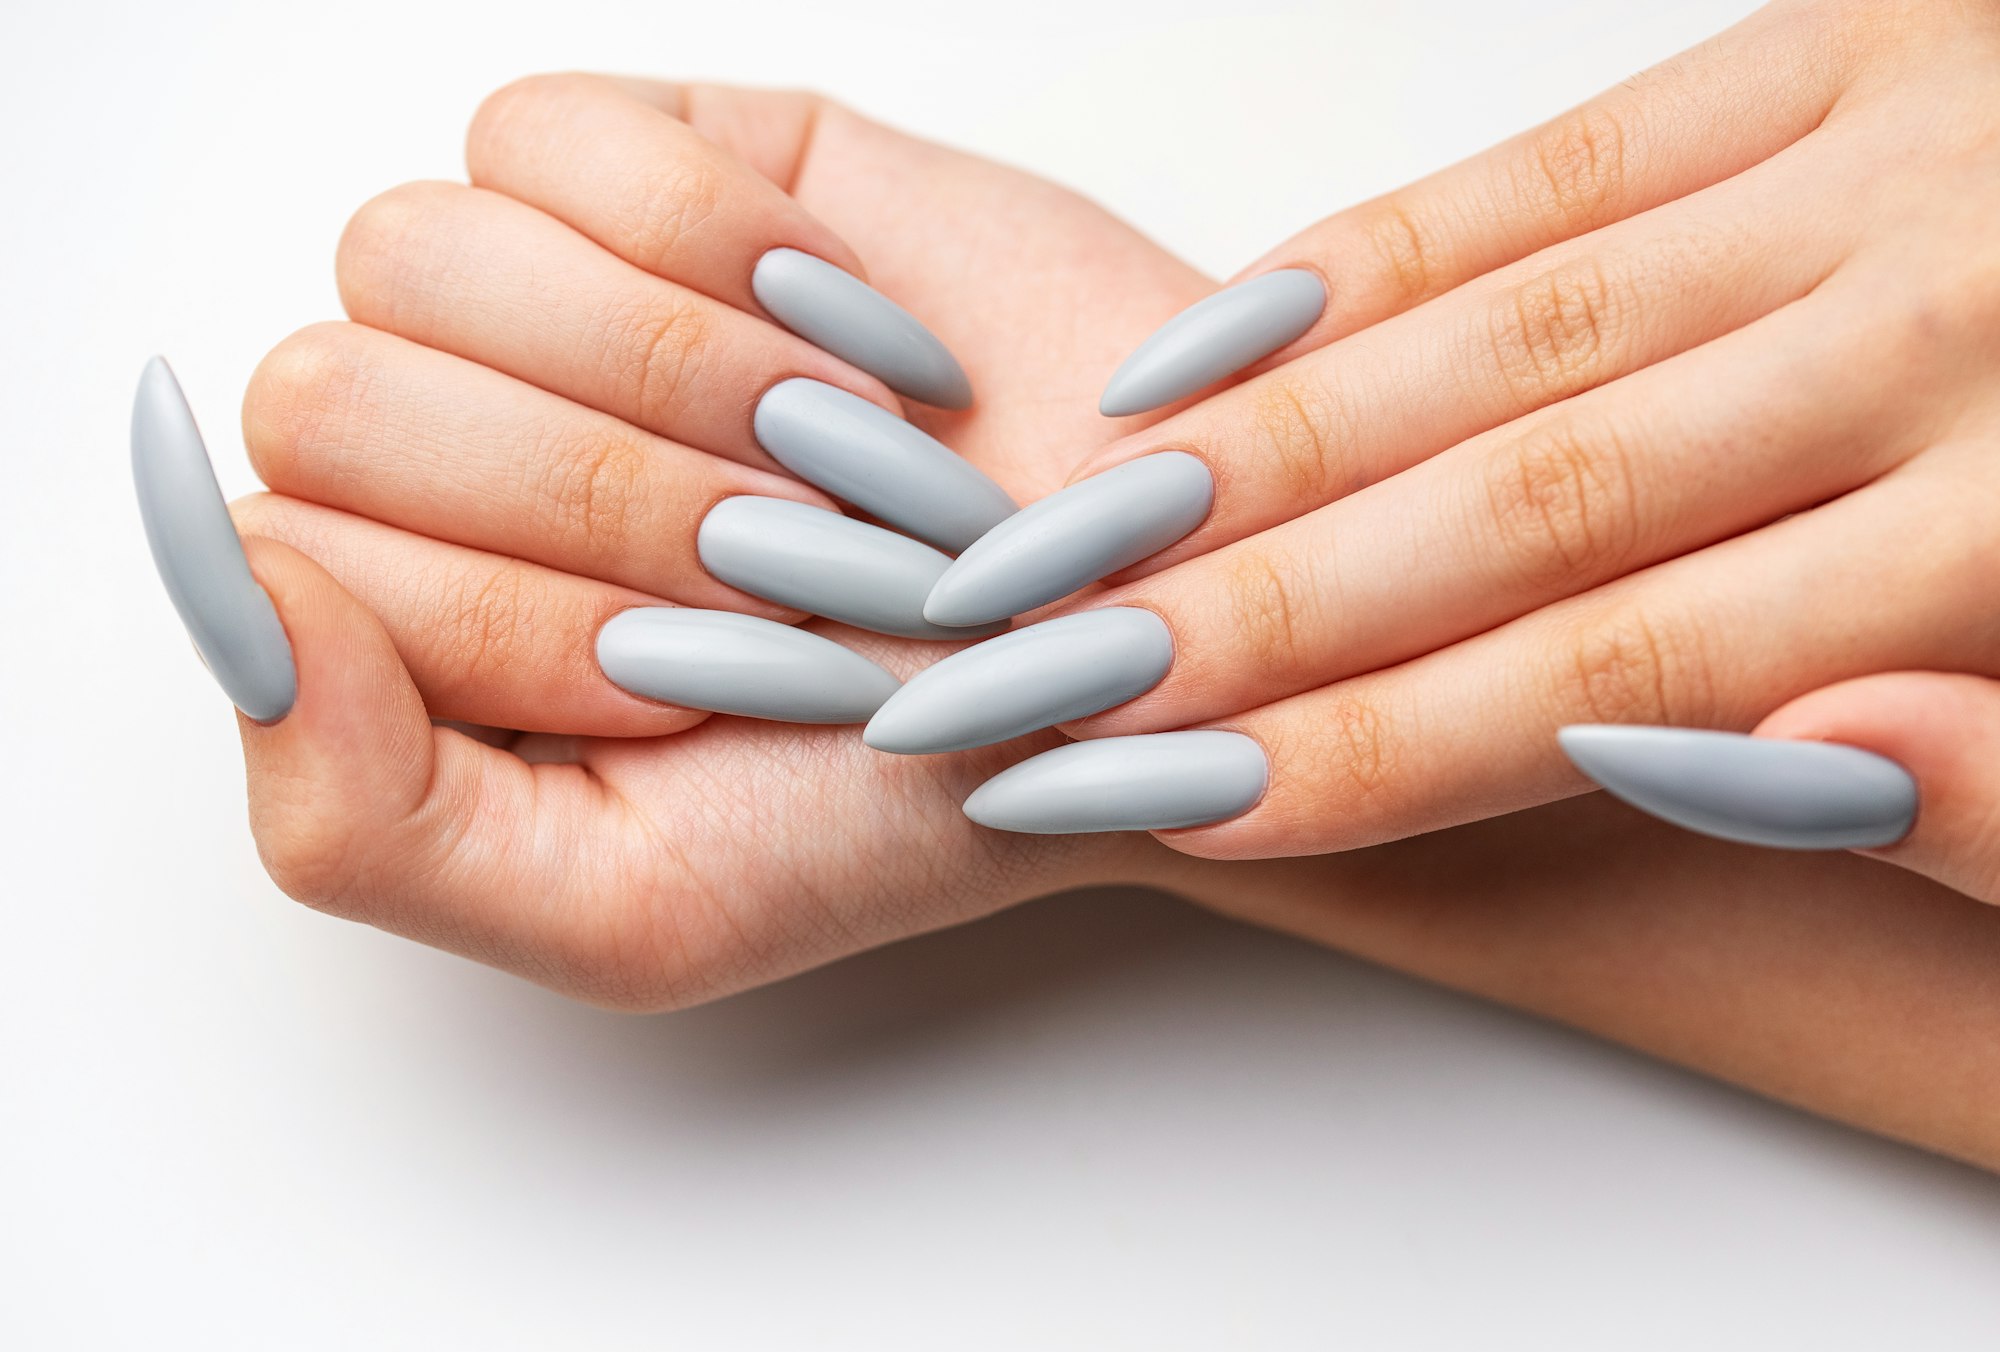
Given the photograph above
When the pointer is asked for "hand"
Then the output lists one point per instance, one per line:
(499, 454)
(1695, 412)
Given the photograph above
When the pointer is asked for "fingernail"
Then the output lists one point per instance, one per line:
(1074, 536)
(738, 664)
(869, 457)
(825, 563)
(1150, 783)
(1757, 790)
(1213, 338)
(833, 309)
(231, 619)
(1033, 678)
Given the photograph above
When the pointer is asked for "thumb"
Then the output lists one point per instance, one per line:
(1944, 730)
(338, 786)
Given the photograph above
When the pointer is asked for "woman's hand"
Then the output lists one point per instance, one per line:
(549, 379)
(1697, 410)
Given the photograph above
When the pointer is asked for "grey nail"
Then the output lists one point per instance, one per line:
(825, 563)
(869, 457)
(1213, 338)
(836, 310)
(739, 664)
(1033, 678)
(1151, 783)
(1074, 536)
(231, 619)
(1757, 790)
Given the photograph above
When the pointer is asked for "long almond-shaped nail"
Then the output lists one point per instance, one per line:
(820, 561)
(1068, 667)
(835, 310)
(1214, 337)
(231, 619)
(1074, 536)
(1156, 782)
(869, 457)
(1757, 790)
(739, 664)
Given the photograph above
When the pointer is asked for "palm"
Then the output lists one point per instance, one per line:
(786, 845)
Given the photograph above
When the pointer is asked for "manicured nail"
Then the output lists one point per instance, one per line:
(836, 310)
(1074, 536)
(1033, 678)
(231, 619)
(869, 457)
(832, 565)
(1214, 337)
(1757, 790)
(1151, 783)
(738, 664)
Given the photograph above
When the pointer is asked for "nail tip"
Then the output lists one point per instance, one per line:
(228, 614)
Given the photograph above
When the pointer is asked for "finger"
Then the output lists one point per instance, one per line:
(1944, 730)
(486, 639)
(486, 278)
(1712, 640)
(619, 161)
(1338, 420)
(350, 417)
(1699, 448)
(627, 164)
(1691, 122)
(362, 808)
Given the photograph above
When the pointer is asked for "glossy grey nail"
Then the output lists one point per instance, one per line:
(820, 561)
(1074, 536)
(231, 619)
(1213, 338)
(1048, 673)
(869, 457)
(738, 664)
(1757, 790)
(833, 309)
(1155, 782)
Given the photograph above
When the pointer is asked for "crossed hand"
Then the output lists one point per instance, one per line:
(1676, 414)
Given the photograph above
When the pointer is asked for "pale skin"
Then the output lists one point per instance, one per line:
(549, 376)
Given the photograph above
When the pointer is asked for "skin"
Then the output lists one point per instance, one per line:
(643, 857)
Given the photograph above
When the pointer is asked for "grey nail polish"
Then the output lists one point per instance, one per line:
(885, 466)
(1074, 536)
(1214, 337)
(833, 309)
(231, 619)
(832, 565)
(1155, 782)
(1757, 790)
(738, 664)
(1033, 678)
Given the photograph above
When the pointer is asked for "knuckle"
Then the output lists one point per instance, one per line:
(1298, 425)
(671, 206)
(518, 103)
(668, 347)
(1552, 335)
(304, 390)
(483, 624)
(312, 854)
(379, 257)
(594, 492)
(1270, 604)
(1405, 251)
(1561, 505)
(1629, 666)
(1574, 170)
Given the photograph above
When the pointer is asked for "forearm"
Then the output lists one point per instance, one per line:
(1831, 982)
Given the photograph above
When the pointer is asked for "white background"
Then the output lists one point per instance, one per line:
(1106, 1122)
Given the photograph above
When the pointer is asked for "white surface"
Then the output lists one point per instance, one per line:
(226, 1122)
